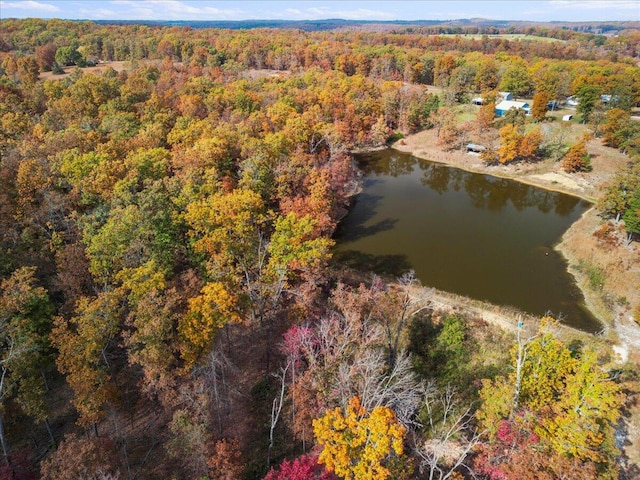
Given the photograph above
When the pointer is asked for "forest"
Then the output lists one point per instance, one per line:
(169, 306)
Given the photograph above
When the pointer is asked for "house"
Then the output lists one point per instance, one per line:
(572, 101)
(501, 96)
(506, 105)
(607, 99)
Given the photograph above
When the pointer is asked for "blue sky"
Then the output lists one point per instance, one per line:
(540, 10)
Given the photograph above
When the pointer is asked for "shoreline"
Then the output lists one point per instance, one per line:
(616, 293)
(502, 316)
(587, 186)
(591, 301)
(542, 174)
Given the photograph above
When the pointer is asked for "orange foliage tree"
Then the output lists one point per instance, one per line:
(518, 146)
(539, 107)
(577, 158)
(448, 130)
(486, 113)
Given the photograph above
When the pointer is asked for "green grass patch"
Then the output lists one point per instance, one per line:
(466, 116)
(594, 273)
(453, 350)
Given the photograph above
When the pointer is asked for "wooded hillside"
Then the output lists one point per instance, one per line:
(168, 304)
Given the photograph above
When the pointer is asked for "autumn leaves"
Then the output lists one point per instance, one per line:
(355, 442)
(557, 400)
(251, 256)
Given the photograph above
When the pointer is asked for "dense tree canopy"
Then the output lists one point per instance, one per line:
(166, 225)
(562, 402)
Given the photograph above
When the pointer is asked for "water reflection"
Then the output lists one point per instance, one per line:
(481, 236)
(485, 191)
(394, 265)
(435, 178)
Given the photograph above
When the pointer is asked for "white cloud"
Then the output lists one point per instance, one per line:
(29, 5)
(596, 5)
(97, 13)
(171, 10)
(561, 10)
(316, 13)
(456, 15)
(592, 10)
(537, 10)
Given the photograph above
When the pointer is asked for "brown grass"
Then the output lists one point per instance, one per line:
(117, 66)
(619, 265)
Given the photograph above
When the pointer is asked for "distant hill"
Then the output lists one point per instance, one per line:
(308, 25)
(336, 23)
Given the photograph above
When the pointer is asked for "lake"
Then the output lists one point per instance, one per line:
(476, 235)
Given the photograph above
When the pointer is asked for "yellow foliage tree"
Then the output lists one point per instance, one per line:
(359, 445)
(568, 400)
(250, 250)
(207, 313)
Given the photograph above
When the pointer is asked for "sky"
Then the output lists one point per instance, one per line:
(539, 10)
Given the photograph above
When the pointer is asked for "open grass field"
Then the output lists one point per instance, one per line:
(507, 36)
(117, 66)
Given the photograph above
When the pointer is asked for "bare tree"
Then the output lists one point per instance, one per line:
(276, 408)
(521, 357)
(214, 373)
(451, 435)
(407, 304)
(102, 475)
(368, 376)
(10, 352)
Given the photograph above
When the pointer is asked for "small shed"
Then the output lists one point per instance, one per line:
(475, 148)
(505, 95)
(567, 118)
(506, 105)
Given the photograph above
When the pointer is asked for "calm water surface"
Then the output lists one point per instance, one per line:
(480, 236)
